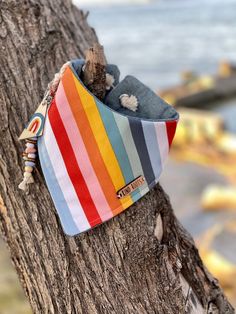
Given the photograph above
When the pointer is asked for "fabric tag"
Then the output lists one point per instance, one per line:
(35, 126)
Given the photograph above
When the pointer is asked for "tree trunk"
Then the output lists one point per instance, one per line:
(142, 261)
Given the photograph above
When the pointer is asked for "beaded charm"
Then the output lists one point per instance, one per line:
(29, 156)
(34, 129)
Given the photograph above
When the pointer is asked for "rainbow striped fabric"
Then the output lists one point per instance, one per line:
(88, 152)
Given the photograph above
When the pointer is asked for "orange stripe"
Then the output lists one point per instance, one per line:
(89, 141)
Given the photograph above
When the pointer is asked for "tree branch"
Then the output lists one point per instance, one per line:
(94, 73)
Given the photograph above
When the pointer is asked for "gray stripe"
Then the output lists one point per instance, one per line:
(124, 128)
(153, 147)
(140, 143)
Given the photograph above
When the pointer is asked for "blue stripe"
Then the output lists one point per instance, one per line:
(67, 221)
(140, 143)
(152, 146)
(116, 141)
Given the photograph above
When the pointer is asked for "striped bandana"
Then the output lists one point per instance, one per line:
(96, 161)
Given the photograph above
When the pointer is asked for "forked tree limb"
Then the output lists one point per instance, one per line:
(142, 261)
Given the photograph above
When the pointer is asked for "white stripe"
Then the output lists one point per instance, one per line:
(63, 179)
(162, 139)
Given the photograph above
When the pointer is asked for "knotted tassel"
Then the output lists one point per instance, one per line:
(129, 102)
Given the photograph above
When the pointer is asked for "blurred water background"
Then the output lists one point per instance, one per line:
(155, 41)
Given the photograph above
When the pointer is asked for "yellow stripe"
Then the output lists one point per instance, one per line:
(102, 140)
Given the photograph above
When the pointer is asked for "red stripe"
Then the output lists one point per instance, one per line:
(72, 166)
(171, 128)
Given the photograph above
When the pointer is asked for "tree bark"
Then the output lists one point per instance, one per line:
(142, 261)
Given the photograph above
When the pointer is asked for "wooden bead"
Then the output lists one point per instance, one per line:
(30, 159)
(29, 169)
(32, 141)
